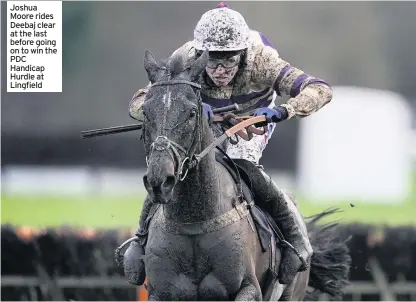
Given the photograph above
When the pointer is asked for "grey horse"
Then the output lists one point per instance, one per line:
(205, 237)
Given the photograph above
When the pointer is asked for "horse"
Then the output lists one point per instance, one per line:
(204, 240)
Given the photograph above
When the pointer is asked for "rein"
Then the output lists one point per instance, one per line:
(228, 133)
(190, 161)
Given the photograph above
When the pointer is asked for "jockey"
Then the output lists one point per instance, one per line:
(246, 69)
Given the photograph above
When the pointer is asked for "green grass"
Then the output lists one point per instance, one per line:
(377, 214)
(51, 211)
(123, 212)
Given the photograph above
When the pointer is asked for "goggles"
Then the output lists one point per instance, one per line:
(230, 62)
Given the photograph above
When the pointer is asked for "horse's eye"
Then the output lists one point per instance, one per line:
(192, 113)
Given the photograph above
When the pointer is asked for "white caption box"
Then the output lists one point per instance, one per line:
(34, 46)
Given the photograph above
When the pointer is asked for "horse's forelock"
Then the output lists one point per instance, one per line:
(175, 65)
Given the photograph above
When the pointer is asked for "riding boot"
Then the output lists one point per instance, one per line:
(133, 264)
(286, 216)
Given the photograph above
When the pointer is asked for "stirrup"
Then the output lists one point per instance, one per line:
(305, 264)
(117, 253)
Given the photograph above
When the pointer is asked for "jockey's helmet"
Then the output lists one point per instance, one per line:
(221, 29)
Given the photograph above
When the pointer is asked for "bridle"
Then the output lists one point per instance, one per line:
(190, 160)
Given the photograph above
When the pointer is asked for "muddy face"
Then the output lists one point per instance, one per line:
(222, 67)
(222, 76)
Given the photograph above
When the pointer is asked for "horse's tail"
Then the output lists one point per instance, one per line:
(330, 262)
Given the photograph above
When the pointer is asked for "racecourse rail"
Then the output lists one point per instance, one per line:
(356, 288)
(392, 250)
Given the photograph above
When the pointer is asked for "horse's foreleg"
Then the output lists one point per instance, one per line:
(249, 292)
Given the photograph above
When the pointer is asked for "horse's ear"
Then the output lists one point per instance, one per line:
(199, 65)
(151, 65)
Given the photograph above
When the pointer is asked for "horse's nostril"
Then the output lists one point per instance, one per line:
(169, 183)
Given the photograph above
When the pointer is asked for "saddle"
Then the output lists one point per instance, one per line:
(267, 231)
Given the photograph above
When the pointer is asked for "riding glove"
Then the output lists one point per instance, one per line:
(208, 112)
(275, 115)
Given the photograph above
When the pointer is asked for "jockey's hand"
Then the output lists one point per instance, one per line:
(273, 115)
(208, 112)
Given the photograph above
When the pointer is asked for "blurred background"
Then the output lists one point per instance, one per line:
(357, 154)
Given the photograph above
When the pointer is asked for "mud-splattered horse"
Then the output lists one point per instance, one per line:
(203, 243)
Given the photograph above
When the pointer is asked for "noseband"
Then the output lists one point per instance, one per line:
(163, 143)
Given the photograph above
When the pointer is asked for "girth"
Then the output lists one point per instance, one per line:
(203, 227)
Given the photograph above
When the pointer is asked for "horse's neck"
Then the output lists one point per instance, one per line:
(198, 197)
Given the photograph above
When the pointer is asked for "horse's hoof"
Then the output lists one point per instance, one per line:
(134, 270)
